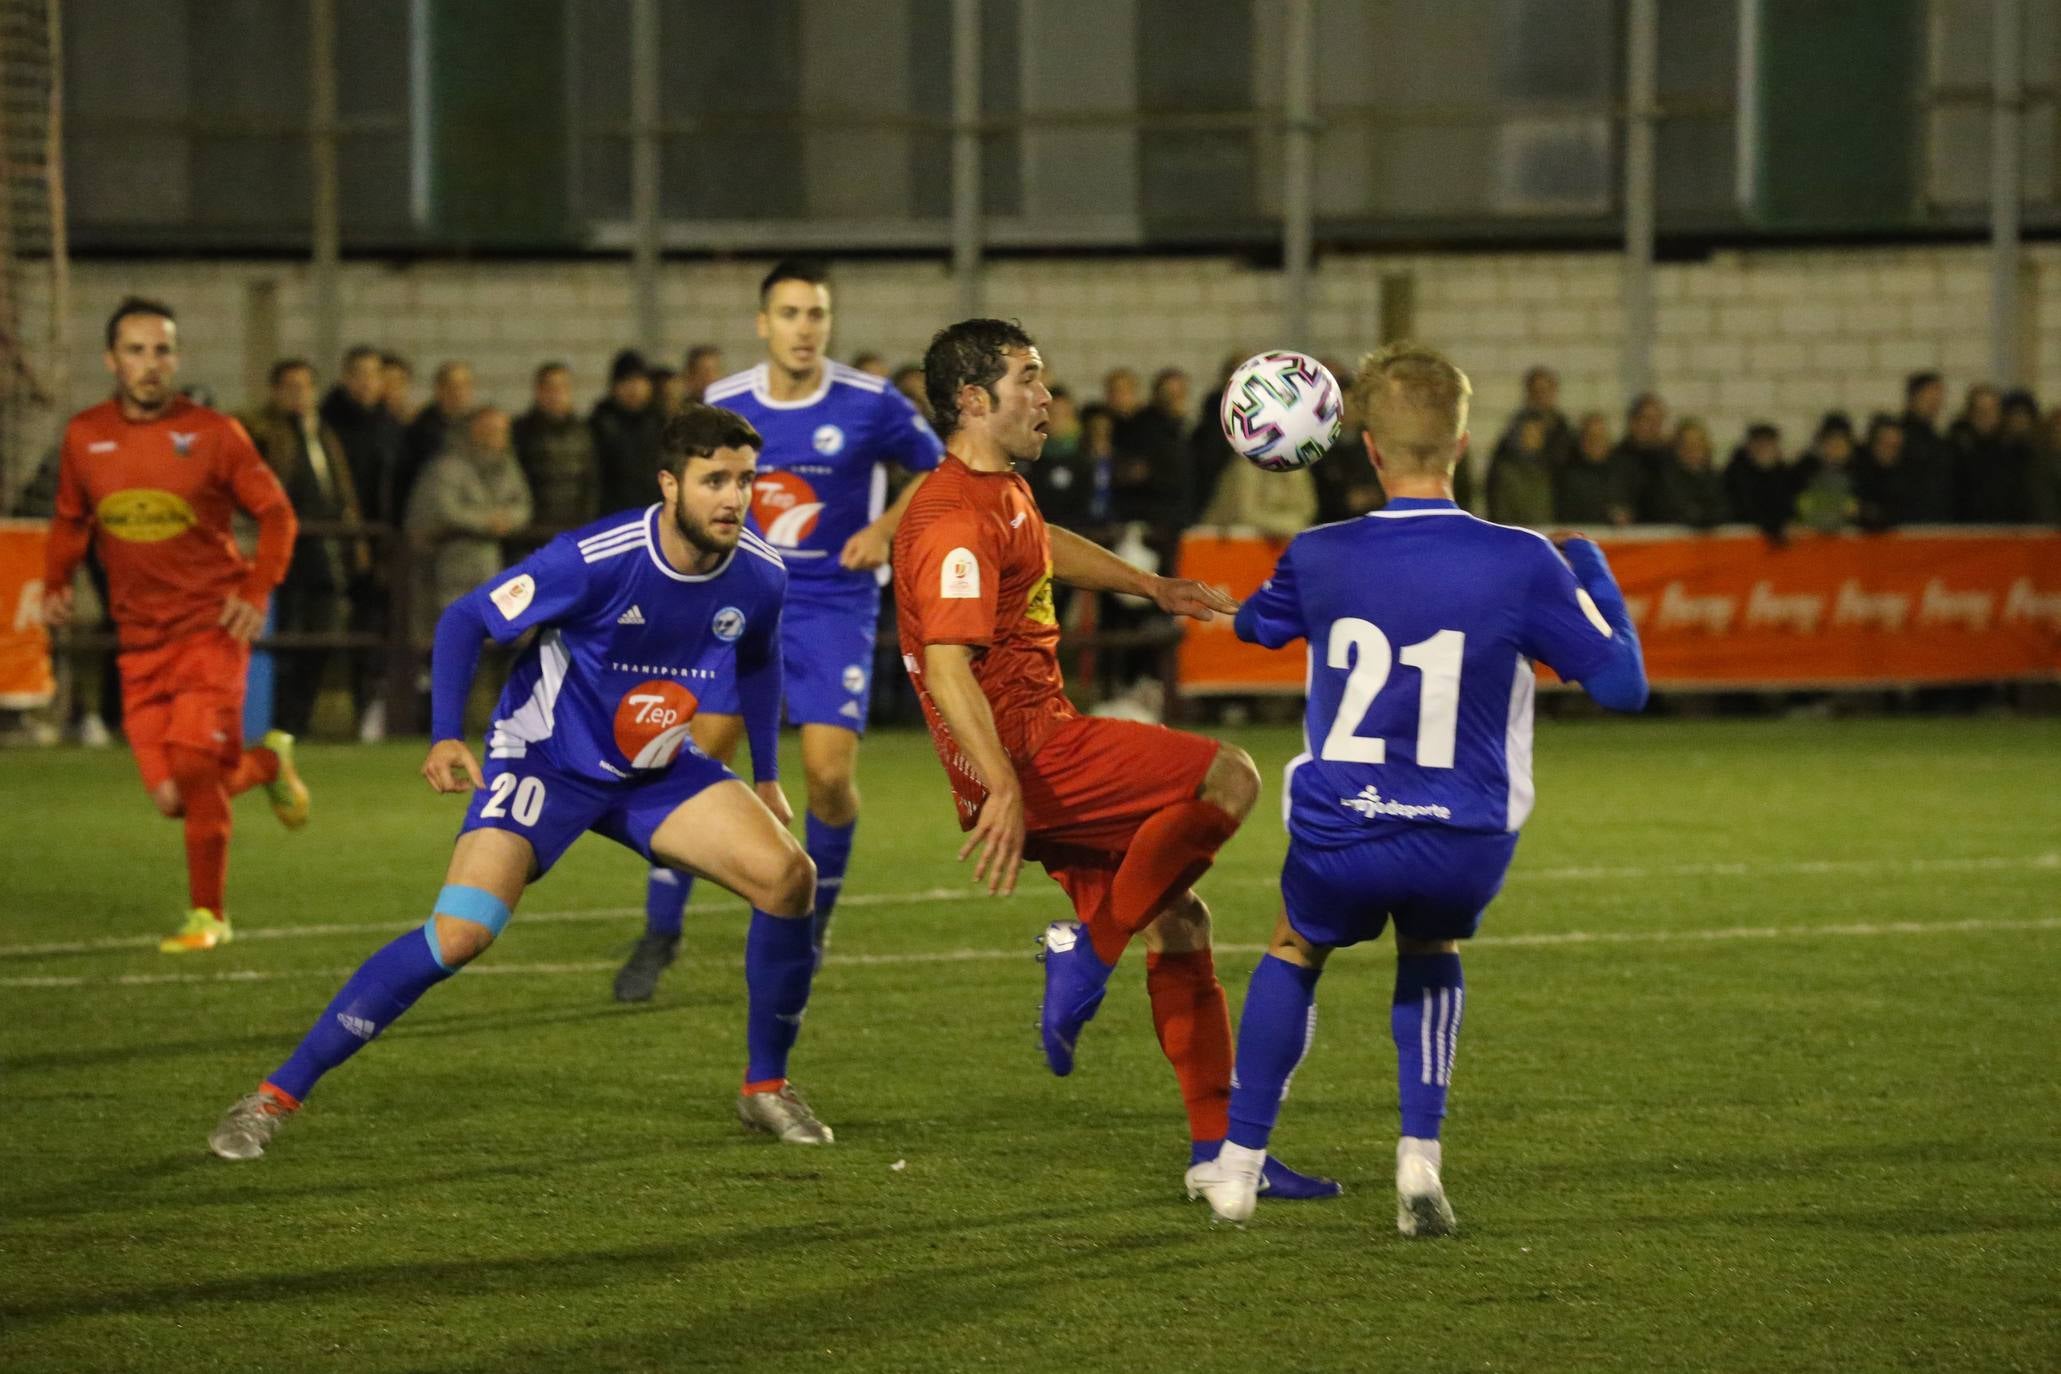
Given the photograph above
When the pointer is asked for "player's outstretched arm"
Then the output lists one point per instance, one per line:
(1619, 684)
(872, 545)
(998, 833)
(453, 661)
(1083, 563)
(1272, 616)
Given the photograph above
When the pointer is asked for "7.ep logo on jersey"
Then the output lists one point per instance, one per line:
(651, 722)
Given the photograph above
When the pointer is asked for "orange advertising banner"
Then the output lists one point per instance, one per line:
(25, 680)
(1728, 610)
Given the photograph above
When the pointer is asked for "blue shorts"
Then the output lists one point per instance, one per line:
(551, 809)
(826, 651)
(1435, 883)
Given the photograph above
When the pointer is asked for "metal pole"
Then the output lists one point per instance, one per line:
(1746, 130)
(1298, 157)
(966, 188)
(1641, 80)
(325, 268)
(2007, 96)
(644, 174)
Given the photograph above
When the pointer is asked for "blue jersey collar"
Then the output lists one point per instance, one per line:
(1403, 503)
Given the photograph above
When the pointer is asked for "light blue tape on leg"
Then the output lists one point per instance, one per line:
(466, 904)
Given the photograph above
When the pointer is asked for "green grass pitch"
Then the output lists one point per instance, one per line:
(1760, 1073)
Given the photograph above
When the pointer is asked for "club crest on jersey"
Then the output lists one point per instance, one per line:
(854, 678)
(728, 624)
(182, 444)
(651, 722)
(828, 439)
(786, 507)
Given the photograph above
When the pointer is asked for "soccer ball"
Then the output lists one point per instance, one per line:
(1281, 410)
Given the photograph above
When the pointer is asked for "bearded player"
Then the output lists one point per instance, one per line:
(1408, 807)
(150, 481)
(821, 501)
(1125, 816)
(634, 615)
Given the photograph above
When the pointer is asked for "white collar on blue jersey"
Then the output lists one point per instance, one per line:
(657, 551)
(762, 389)
(1417, 505)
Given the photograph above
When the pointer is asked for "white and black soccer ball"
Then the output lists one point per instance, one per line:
(1281, 410)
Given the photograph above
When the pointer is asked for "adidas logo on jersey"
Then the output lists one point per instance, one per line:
(633, 616)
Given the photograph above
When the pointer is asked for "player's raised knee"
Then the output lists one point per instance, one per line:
(467, 920)
(789, 888)
(1233, 781)
(165, 797)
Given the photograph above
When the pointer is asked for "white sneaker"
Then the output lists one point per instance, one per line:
(372, 726)
(784, 1116)
(93, 731)
(1421, 1208)
(1230, 1182)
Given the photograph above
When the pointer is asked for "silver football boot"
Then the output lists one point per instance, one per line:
(784, 1115)
(247, 1128)
(1421, 1208)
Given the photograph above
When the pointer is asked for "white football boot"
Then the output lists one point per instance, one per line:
(1230, 1182)
(1421, 1208)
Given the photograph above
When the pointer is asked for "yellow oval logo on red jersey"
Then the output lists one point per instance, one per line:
(144, 515)
(651, 722)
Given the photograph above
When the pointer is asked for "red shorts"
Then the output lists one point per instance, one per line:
(188, 692)
(1093, 784)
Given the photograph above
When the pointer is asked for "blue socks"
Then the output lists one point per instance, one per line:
(1274, 1033)
(384, 986)
(1429, 997)
(779, 962)
(830, 846)
(665, 900)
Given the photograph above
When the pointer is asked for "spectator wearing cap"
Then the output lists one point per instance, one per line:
(626, 425)
(1759, 485)
(1927, 460)
(1688, 490)
(1589, 488)
(1825, 497)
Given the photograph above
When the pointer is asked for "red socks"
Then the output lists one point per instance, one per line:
(1194, 1025)
(256, 767)
(1170, 851)
(198, 776)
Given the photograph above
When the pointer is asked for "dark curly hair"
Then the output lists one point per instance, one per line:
(969, 353)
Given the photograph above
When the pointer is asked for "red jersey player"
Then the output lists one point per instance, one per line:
(1125, 816)
(150, 480)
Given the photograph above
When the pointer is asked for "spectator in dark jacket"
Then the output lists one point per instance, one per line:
(1927, 479)
(1989, 470)
(397, 388)
(1520, 481)
(1688, 490)
(1759, 486)
(1880, 476)
(1589, 489)
(1541, 403)
(436, 428)
(1209, 452)
(556, 451)
(1643, 453)
(2043, 505)
(1158, 434)
(356, 410)
(626, 426)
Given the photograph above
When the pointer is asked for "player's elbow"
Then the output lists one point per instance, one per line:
(1620, 687)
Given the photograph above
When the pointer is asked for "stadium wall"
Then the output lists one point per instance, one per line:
(1743, 336)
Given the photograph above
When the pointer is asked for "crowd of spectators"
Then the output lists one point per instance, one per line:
(1997, 462)
(450, 490)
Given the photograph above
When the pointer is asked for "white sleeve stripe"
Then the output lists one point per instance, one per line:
(761, 545)
(607, 535)
(772, 558)
(615, 551)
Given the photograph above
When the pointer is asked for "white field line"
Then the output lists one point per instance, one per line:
(1887, 869)
(1546, 939)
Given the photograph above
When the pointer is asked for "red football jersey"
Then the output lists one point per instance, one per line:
(156, 497)
(973, 566)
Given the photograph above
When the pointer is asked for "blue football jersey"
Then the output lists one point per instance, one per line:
(822, 474)
(626, 644)
(1422, 624)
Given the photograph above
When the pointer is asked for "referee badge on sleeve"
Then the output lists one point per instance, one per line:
(959, 577)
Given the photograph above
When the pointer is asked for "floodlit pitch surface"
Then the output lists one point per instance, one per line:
(1759, 1072)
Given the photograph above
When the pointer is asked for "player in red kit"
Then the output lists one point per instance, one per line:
(1125, 816)
(150, 481)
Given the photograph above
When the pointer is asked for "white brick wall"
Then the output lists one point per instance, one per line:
(1778, 334)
